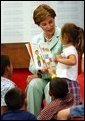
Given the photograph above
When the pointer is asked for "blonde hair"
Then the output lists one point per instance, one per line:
(41, 12)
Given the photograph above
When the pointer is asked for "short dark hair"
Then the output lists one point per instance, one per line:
(59, 87)
(14, 99)
(5, 61)
(41, 12)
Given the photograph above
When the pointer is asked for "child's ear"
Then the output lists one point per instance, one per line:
(50, 93)
(7, 69)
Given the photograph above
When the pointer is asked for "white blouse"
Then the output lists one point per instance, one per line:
(6, 85)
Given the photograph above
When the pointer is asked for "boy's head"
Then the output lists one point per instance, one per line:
(15, 99)
(58, 87)
(6, 66)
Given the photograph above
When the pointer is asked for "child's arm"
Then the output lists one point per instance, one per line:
(71, 60)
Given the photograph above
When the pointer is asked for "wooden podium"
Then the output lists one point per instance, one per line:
(18, 54)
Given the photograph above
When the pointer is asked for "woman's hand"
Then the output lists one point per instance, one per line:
(45, 69)
(30, 77)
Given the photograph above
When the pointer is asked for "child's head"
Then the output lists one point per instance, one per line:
(15, 99)
(70, 33)
(6, 66)
(58, 87)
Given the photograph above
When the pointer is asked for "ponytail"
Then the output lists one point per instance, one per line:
(80, 40)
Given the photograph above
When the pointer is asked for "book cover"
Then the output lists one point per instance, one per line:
(40, 54)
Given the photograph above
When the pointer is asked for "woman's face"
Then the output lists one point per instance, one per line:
(48, 26)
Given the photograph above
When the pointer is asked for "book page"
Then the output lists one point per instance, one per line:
(37, 55)
(41, 56)
(28, 46)
(46, 54)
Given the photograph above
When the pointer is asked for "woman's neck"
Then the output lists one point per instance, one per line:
(48, 37)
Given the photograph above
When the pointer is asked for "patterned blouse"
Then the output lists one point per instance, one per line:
(6, 85)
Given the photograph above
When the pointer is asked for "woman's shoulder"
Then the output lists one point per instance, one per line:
(58, 31)
(38, 38)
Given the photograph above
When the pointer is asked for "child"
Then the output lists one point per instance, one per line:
(15, 100)
(6, 83)
(60, 99)
(67, 66)
(77, 110)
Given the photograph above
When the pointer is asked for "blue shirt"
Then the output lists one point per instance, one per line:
(18, 115)
(77, 111)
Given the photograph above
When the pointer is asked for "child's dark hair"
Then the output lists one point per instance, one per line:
(59, 87)
(5, 61)
(75, 34)
(14, 99)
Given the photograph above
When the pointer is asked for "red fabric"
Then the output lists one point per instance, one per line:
(19, 77)
(79, 63)
(81, 82)
(78, 118)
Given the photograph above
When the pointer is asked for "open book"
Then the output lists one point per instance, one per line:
(40, 54)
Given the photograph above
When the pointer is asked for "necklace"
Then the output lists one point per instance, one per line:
(47, 40)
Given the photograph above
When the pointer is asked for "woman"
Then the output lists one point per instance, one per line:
(44, 17)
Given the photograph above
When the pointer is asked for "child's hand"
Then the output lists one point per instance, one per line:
(50, 70)
(56, 59)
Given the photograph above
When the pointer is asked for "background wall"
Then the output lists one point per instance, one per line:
(17, 25)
